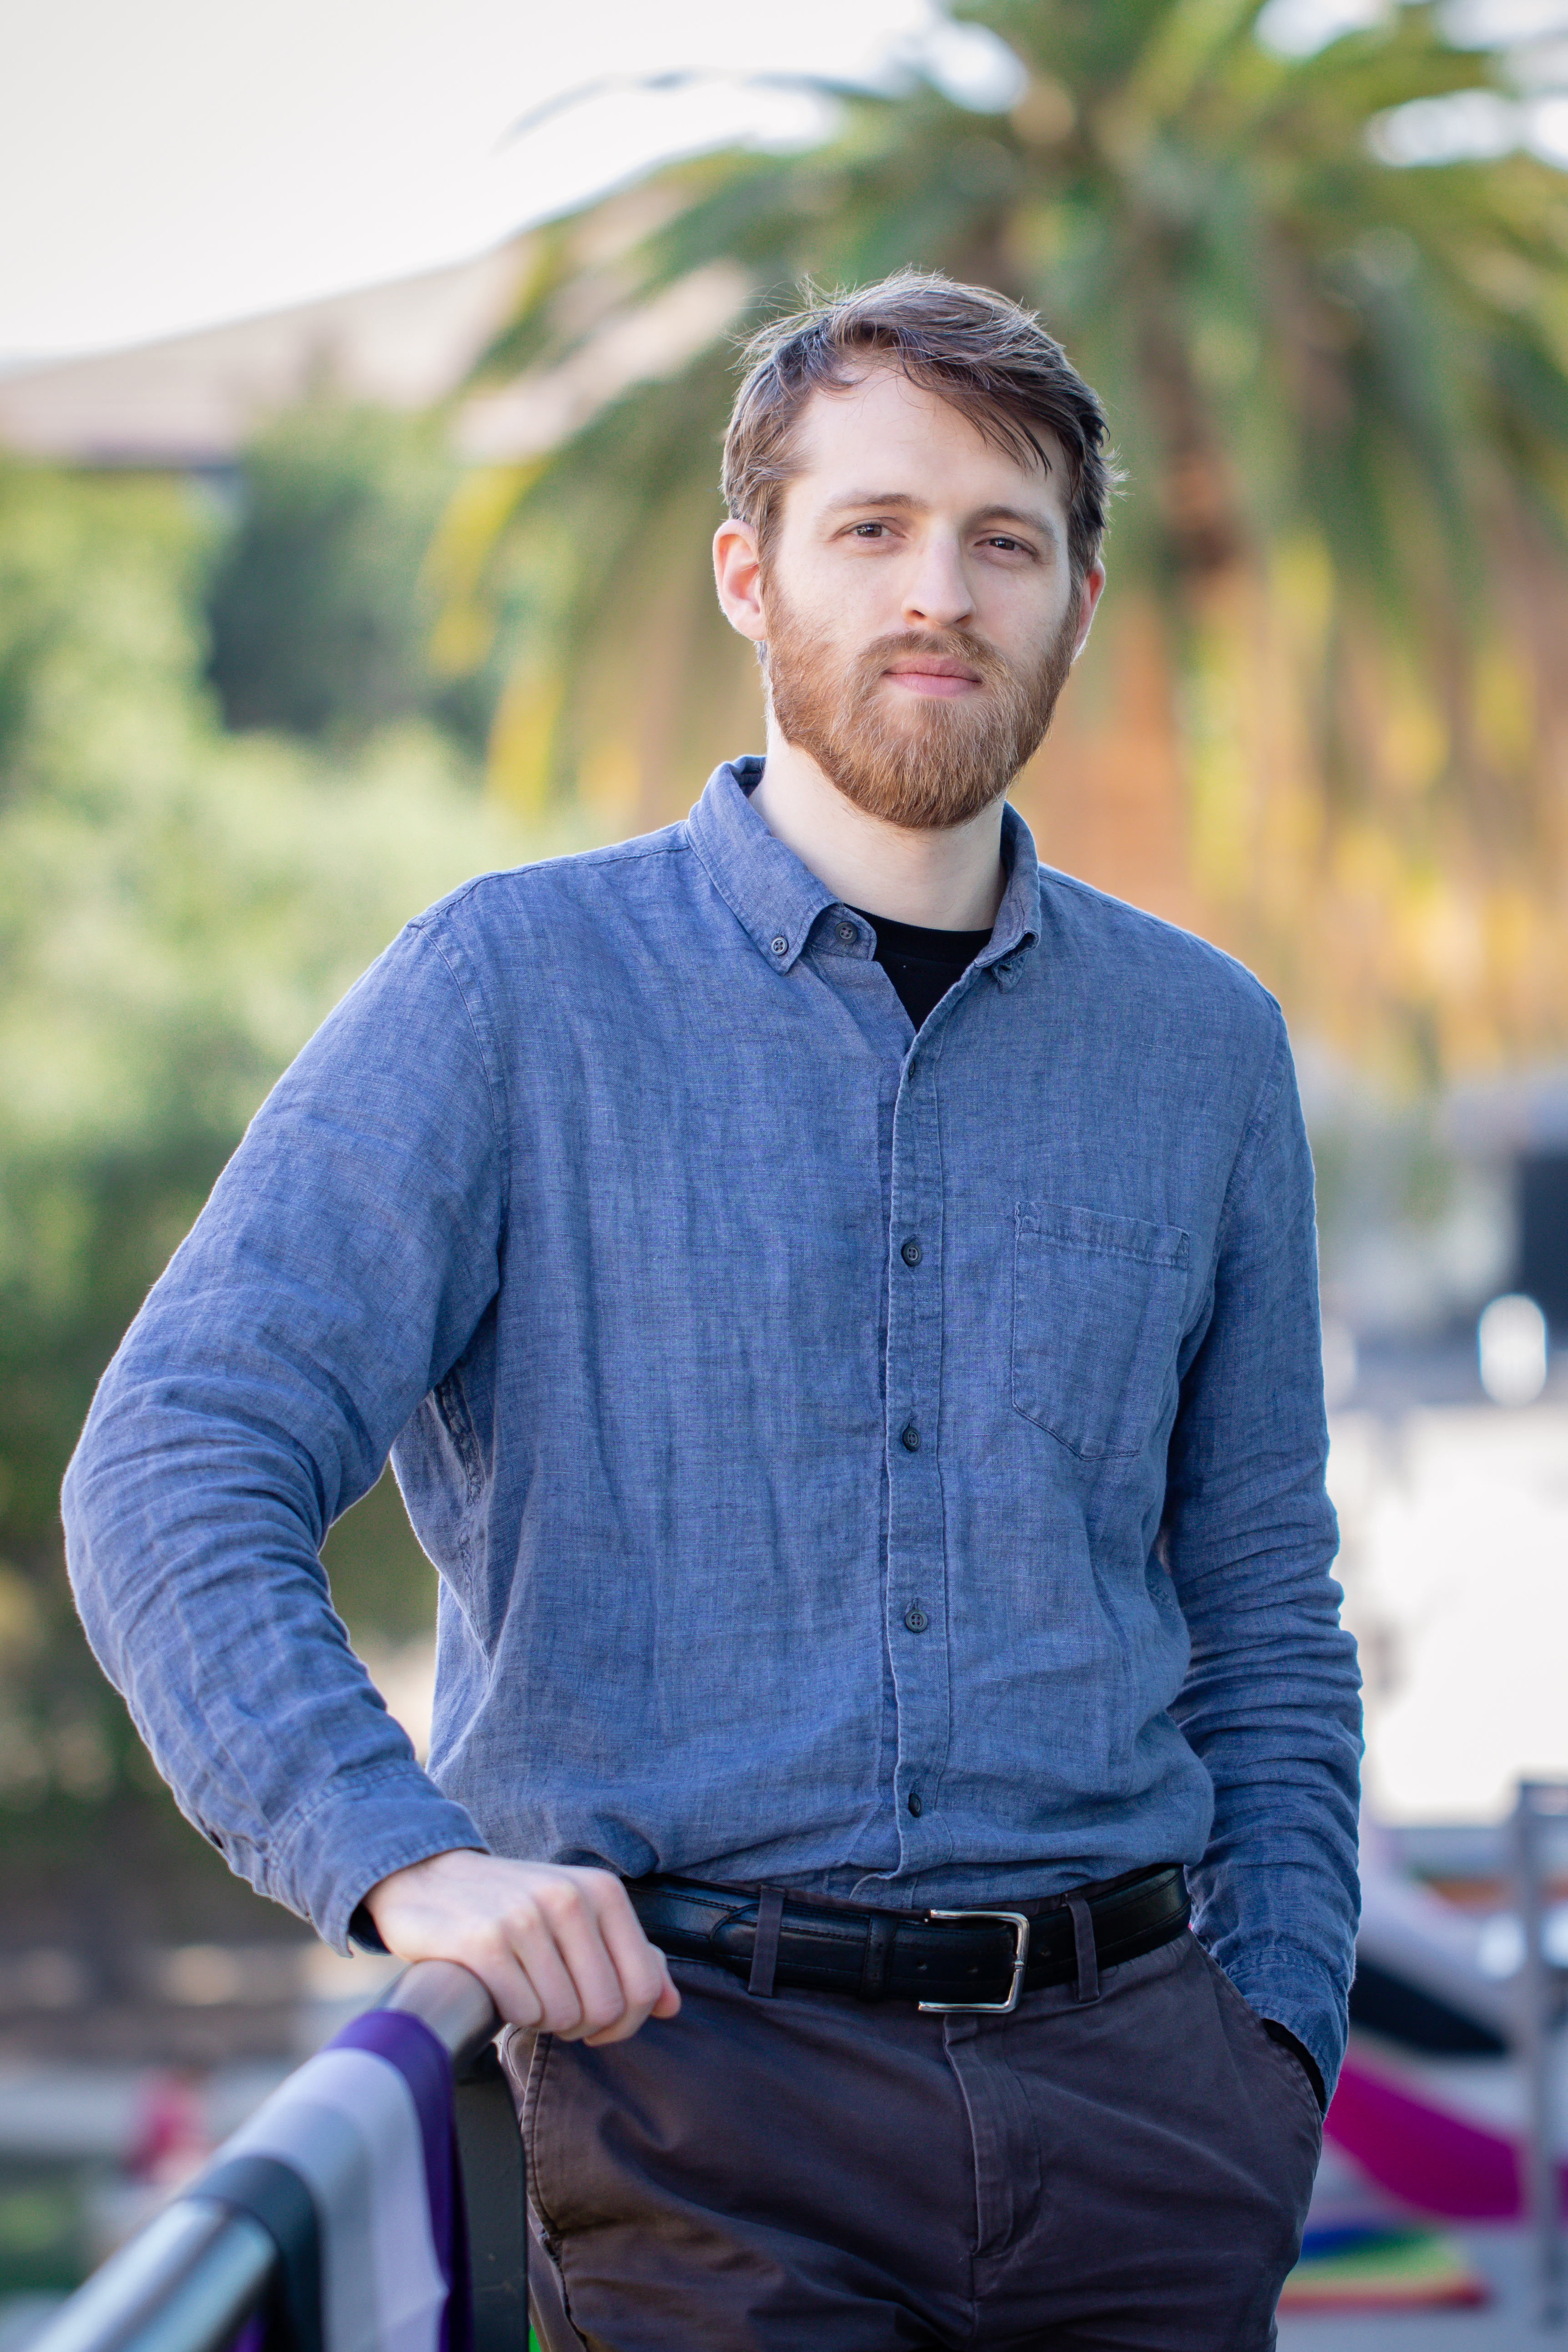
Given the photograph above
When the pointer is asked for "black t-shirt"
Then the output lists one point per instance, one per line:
(923, 964)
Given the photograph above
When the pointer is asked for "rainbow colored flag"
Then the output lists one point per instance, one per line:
(1377, 2268)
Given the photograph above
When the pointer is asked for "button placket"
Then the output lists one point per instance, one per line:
(916, 1570)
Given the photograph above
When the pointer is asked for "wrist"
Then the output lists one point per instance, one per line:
(367, 1924)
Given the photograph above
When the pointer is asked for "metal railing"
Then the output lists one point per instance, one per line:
(195, 2273)
(1541, 1805)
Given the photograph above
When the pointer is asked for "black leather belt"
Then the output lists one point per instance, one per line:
(977, 1960)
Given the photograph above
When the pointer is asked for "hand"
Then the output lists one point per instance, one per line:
(557, 1947)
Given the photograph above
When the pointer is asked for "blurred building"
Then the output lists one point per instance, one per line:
(188, 403)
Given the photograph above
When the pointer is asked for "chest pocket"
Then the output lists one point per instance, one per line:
(1097, 1317)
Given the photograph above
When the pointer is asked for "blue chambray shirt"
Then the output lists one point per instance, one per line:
(869, 1462)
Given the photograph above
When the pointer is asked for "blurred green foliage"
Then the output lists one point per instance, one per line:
(41, 2231)
(384, 1588)
(179, 908)
(318, 609)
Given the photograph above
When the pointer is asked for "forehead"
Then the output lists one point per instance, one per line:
(887, 434)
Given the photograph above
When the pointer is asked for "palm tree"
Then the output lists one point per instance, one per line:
(1327, 726)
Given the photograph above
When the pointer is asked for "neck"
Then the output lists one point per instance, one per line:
(946, 881)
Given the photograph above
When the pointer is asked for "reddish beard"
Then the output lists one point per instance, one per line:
(923, 763)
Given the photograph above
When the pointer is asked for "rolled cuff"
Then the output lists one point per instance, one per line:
(1297, 1994)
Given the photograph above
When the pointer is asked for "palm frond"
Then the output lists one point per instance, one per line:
(1318, 367)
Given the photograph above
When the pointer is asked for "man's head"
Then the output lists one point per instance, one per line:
(917, 482)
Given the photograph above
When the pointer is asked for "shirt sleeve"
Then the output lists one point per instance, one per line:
(347, 1253)
(1271, 1702)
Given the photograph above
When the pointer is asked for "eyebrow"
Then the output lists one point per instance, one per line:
(1030, 518)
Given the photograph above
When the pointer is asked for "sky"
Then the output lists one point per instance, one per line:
(179, 163)
(182, 161)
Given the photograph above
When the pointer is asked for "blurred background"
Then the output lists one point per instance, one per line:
(362, 380)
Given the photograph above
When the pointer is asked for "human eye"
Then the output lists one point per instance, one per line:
(1005, 545)
(868, 530)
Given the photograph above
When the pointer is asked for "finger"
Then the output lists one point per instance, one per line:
(532, 1935)
(573, 1910)
(646, 1985)
(489, 1957)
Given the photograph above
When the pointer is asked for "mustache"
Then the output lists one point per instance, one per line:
(946, 644)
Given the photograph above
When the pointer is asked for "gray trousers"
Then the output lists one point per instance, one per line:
(809, 2174)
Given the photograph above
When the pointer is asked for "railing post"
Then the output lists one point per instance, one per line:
(490, 2143)
(1539, 1804)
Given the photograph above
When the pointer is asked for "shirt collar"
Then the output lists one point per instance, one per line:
(776, 900)
(1017, 926)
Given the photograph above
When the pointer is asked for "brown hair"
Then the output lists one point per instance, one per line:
(992, 360)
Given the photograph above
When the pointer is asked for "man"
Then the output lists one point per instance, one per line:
(841, 1300)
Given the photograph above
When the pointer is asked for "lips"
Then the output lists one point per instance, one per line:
(921, 668)
(942, 681)
(934, 676)
(934, 666)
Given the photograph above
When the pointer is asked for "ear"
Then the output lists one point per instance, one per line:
(1088, 596)
(737, 575)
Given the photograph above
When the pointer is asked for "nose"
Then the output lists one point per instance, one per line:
(937, 593)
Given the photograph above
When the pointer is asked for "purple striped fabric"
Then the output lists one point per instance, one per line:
(425, 2066)
(378, 2156)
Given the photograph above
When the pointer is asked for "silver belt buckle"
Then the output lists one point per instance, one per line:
(1019, 1924)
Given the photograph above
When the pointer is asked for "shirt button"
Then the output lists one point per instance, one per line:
(848, 933)
(910, 1252)
(912, 1438)
(915, 1618)
(781, 945)
(915, 1807)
